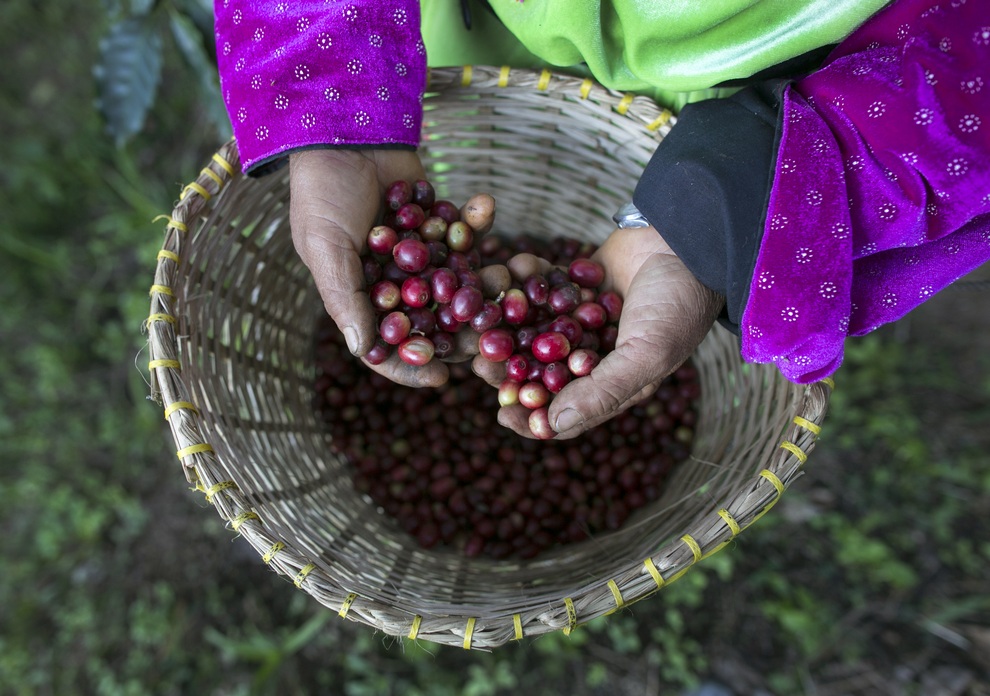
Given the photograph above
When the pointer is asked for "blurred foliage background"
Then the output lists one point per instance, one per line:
(869, 578)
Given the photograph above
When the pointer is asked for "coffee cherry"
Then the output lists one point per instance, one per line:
(379, 352)
(411, 255)
(398, 194)
(458, 261)
(392, 273)
(556, 376)
(551, 347)
(433, 229)
(586, 273)
(590, 340)
(443, 285)
(445, 319)
(488, 317)
(517, 368)
(582, 361)
(423, 194)
(564, 298)
(422, 320)
(394, 328)
(612, 304)
(438, 253)
(415, 291)
(608, 336)
(466, 303)
(492, 248)
(409, 217)
(539, 423)
(535, 373)
(416, 350)
(496, 345)
(372, 271)
(533, 395)
(460, 237)
(537, 289)
(474, 546)
(468, 277)
(385, 296)
(381, 239)
(557, 276)
(590, 315)
(525, 336)
(443, 344)
(515, 307)
(508, 393)
(428, 535)
(569, 326)
(473, 257)
(446, 210)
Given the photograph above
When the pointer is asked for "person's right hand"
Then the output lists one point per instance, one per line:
(336, 198)
(666, 314)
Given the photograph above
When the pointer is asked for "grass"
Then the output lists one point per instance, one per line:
(869, 577)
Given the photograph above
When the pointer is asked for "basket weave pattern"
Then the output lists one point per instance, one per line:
(231, 340)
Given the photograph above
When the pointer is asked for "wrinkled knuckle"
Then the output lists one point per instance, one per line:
(640, 350)
(608, 396)
(662, 353)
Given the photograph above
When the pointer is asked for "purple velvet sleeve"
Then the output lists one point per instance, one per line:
(881, 192)
(311, 73)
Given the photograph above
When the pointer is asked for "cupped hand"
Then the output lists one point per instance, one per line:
(336, 198)
(666, 314)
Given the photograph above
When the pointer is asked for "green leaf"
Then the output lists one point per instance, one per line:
(189, 40)
(201, 14)
(128, 74)
(113, 8)
(142, 7)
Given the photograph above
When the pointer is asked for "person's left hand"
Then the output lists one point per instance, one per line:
(666, 313)
(335, 199)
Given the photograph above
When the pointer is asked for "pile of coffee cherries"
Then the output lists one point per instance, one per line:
(422, 270)
(437, 462)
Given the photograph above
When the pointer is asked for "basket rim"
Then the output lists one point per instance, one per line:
(202, 467)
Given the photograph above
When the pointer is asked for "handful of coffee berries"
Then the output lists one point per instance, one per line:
(425, 279)
(557, 329)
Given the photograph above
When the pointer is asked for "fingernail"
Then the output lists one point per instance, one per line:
(567, 420)
(350, 335)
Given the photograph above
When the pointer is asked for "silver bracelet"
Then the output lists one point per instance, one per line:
(629, 216)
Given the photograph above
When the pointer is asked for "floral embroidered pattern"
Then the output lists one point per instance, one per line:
(884, 248)
(352, 72)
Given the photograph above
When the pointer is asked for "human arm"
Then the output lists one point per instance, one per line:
(884, 157)
(836, 202)
(336, 91)
(308, 74)
(847, 211)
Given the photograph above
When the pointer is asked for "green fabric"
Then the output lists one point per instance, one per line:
(489, 42)
(674, 51)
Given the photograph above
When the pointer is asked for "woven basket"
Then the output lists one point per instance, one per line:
(232, 336)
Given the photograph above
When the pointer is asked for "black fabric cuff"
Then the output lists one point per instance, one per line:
(276, 162)
(707, 186)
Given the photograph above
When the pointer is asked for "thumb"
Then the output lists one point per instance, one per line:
(625, 376)
(339, 276)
